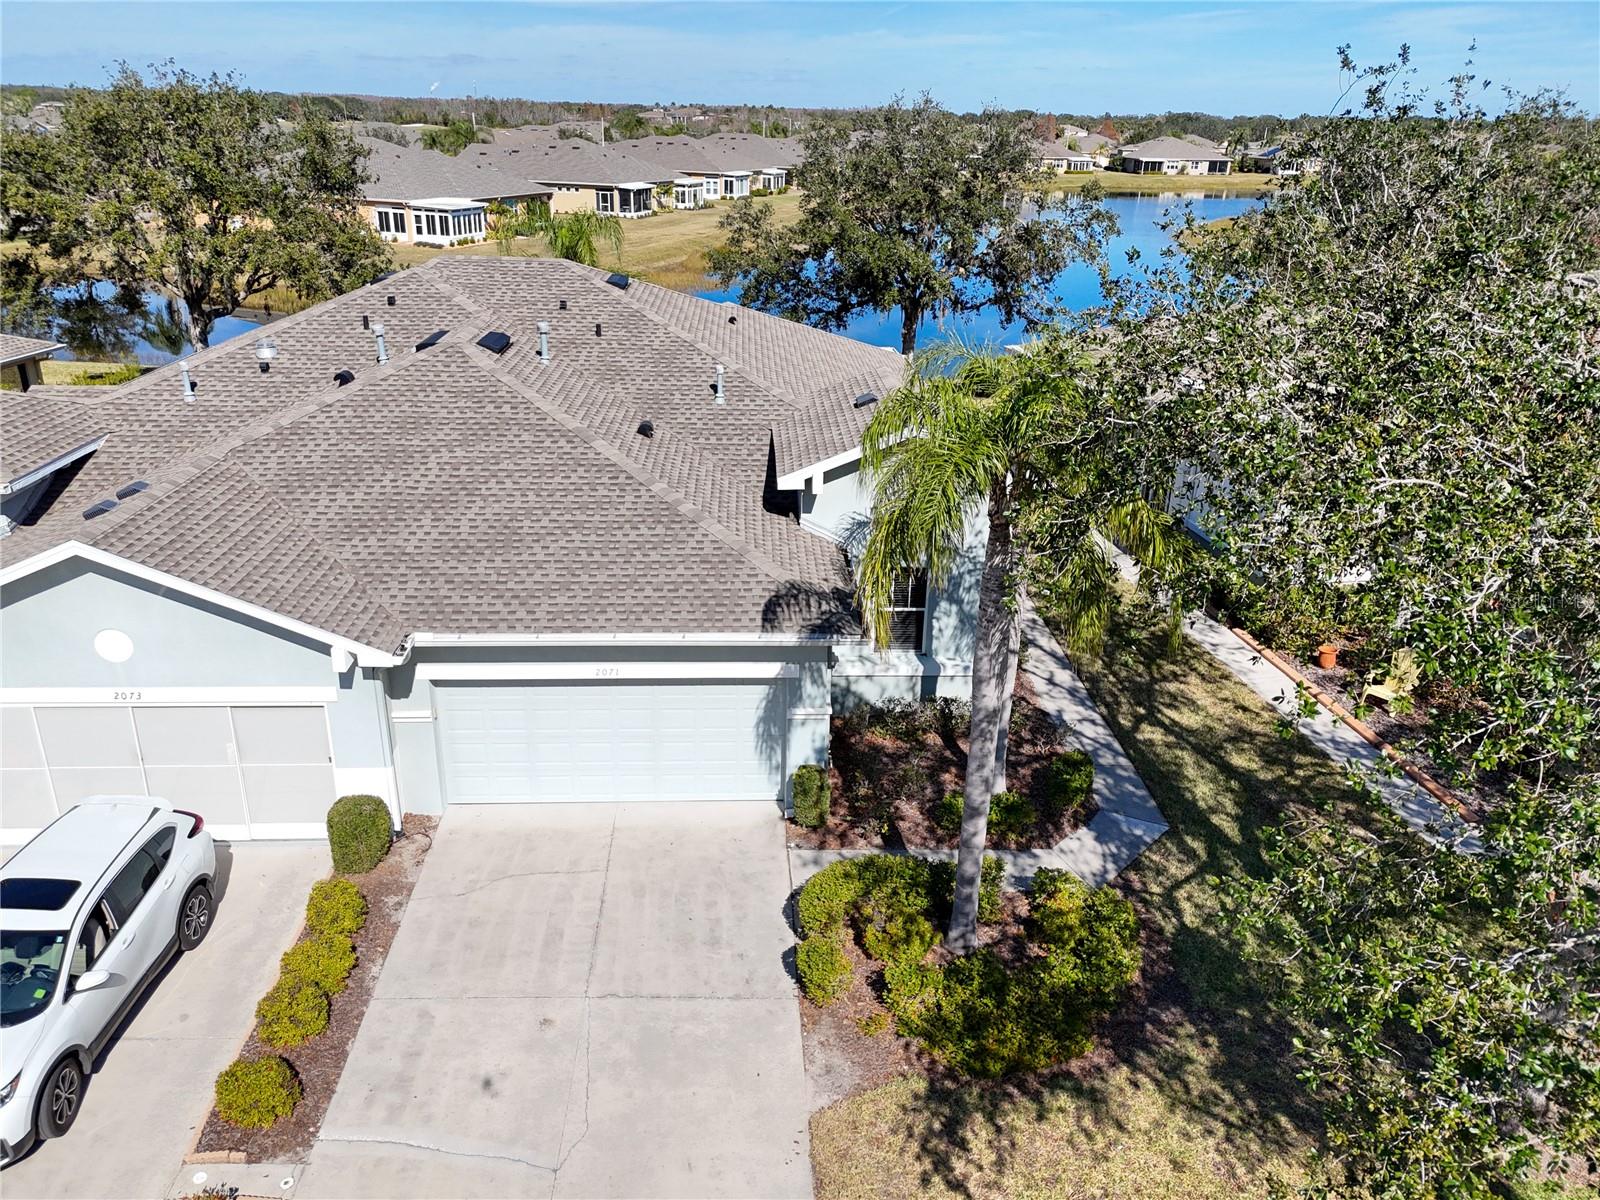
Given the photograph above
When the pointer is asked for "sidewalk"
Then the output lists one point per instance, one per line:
(1128, 821)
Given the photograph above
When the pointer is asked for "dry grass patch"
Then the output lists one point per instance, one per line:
(1125, 183)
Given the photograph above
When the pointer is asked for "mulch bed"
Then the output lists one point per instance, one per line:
(320, 1061)
(885, 788)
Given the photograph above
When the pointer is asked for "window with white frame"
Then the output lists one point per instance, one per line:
(605, 200)
(908, 613)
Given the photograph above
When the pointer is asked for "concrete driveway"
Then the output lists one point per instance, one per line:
(153, 1084)
(583, 1000)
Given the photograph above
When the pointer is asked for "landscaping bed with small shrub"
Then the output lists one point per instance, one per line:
(1048, 967)
(898, 770)
(270, 1102)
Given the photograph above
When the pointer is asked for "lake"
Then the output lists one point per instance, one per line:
(1077, 288)
(98, 325)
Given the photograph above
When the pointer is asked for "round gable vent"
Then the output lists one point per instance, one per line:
(113, 645)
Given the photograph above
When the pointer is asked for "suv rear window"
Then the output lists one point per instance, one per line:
(40, 895)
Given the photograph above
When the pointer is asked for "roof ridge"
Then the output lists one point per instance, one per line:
(706, 520)
(776, 391)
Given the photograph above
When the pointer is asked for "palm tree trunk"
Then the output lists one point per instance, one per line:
(991, 697)
(1013, 656)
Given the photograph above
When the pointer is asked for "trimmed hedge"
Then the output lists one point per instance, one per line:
(824, 968)
(358, 833)
(323, 960)
(812, 793)
(1068, 783)
(336, 907)
(1010, 813)
(257, 1093)
(294, 1011)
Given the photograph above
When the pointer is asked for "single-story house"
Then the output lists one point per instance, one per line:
(421, 195)
(21, 356)
(1063, 157)
(490, 529)
(1275, 160)
(579, 174)
(727, 166)
(1174, 156)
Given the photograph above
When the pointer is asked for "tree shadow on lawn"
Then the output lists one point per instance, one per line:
(1197, 1032)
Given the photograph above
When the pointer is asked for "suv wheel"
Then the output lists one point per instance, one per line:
(194, 918)
(58, 1103)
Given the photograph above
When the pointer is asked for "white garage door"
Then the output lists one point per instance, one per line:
(645, 740)
(250, 771)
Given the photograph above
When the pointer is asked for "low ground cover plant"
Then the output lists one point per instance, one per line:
(997, 1010)
(256, 1093)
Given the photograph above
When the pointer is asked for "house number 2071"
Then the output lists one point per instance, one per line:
(607, 672)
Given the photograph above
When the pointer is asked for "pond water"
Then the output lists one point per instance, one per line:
(1077, 288)
(99, 324)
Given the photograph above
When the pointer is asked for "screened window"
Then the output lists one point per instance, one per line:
(908, 613)
(605, 201)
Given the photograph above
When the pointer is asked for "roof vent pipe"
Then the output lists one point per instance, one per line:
(716, 388)
(544, 341)
(383, 348)
(188, 384)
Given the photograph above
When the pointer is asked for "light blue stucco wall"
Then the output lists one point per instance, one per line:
(49, 619)
(48, 622)
(837, 508)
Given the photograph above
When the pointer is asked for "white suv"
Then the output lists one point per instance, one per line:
(90, 911)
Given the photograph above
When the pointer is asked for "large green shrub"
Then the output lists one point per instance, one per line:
(826, 899)
(257, 1093)
(986, 1017)
(324, 960)
(337, 907)
(811, 791)
(358, 833)
(1068, 784)
(294, 1011)
(824, 968)
(942, 888)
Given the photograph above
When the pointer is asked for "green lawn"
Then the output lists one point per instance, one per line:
(1241, 183)
(1191, 1096)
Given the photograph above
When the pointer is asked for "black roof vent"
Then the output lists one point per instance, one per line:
(366, 321)
(733, 320)
(98, 508)
(132, 489)
(597, 329)
(562, 305)
(343, 377)
(389, 300)
(865, 399)
(433, 339)
(618, 280)
(495, 342)
(647, 429)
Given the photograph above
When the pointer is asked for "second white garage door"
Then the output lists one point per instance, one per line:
(645, 740)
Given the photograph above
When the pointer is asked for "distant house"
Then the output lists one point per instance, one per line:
(1275, 160)
(21, 356)
(1062, 156)
(1174, 156)
(724, 166)
(418, 195)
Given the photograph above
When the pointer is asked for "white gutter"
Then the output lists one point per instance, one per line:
(55, 464)
(621, 639)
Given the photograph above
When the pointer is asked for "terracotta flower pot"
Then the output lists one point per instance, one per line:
(1327, 656)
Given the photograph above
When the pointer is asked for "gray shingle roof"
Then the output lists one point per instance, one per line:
(408, 173)
(1176, 149)
(455, 491)
(570, 161)
(43, 424)
(19, 349)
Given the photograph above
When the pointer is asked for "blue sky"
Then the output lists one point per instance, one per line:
(1223, 56)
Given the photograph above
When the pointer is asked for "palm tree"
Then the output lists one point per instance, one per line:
(576, 236)
(979, 434)
(454, 137)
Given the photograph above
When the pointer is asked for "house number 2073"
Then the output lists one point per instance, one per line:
(127, 695)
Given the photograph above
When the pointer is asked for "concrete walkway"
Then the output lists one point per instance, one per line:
(583, 1000)
(1128, 821)
(1329, 734)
